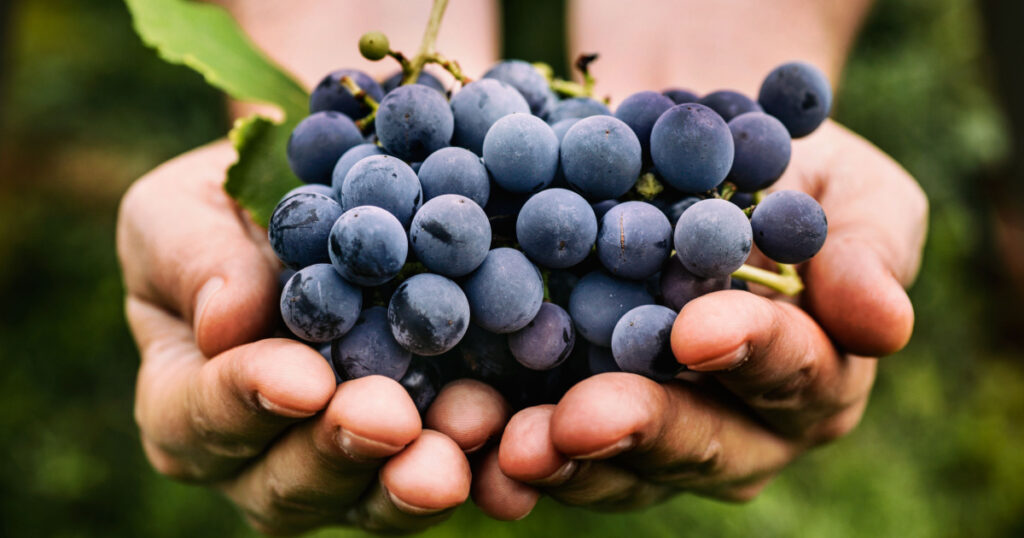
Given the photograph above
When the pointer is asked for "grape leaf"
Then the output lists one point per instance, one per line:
(261, 176)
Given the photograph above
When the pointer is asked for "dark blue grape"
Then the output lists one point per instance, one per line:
(599, 300)
(641, 342)
(386, 182)
(311, 188)
(317, 143)
(325, 352)
(331, 95)
(742, 200)
(556, 228)
(347, 161)
(560, 129)
(692, 147)
(428, 314)
(502, 210)
(679, 286)
(729, 104)
(370, 349)
(283, 276)
(422, 382)
(635, 239)
(713, 238)
(738, 284)
(425, 79)
(521, 153)
(602, 207)
(505, 292)
(799, 95)
(560, 284)
(299, 228)
(601, 157)
(640, 111)
(676, 210)
(318, 305)
(455, 171)
(414, 121)
(546, 341)
(368, 246)
(789, 226)
(762, 151)
(450, 235)
(577, 107)
(680, 96)
(487, 357)
(527, 80)
(600, 360)
(478, 105)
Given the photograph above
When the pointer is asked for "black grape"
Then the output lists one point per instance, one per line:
(317, 142)
(556, 228)
(347, 161)
(601, 157)
(425, 79)
(762, 151)
(367, 246)
(370, 349)
(478, 105)
(505, 292)
(692, 148)
(521, 153)
(423, 382)
(385, 182)
(713, 238)
(527, 80)
(414, 121)
(635, 239)
(455, 171)
(318, 305)
(602, 207)
(428, 314)
(299, 228)
(789, 226)
(680, 96)
(599, 300)
(577, 107)
(641, 342)
(329, 94)
(311, 188)
(799, 95)
(729, 104)
(546, 341)
(640, 111)
(450, 235)
(679, 286)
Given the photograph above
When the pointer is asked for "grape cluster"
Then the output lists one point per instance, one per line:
(501, 233)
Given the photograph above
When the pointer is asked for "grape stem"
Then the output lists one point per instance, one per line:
(360, 94)
(411, 69)
(786, 281)
(728, 189)
(648, 186)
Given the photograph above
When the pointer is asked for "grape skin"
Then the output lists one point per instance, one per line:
(713, 238)
(729, 104)
(635, 239)
(599, 300)
(692, 147)
(367, 246)
(505, 292)
(317, 142)
(454, 170)
(329, 94)
(450, 235)
(679, 286)
(680, 96)
(676, 210)
(560, 129)
(521, 153)
(602, 207)
(385, 182)
(425, 79)
(299, 228)
(762, 151)
(789, 226)
(640, 342)
(527, 81)
(601, 157)
(318, 305)
(370, 349)
(556, 228)
(347, 161)
(546, 341)
(428, 314)
(799, 95)
(422, 382)
(577, 107)
(600, 360)
(310, 188)
(640, 111)
(414, 121)
(478, 105)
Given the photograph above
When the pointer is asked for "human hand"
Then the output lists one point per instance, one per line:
(262, 420)
(776, 381)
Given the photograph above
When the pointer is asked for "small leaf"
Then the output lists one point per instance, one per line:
(261, 176)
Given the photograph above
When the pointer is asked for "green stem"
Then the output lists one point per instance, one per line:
(360, 95)
(786, 281)
(648, 187)
(568, 88)
(451, 66)
(728, 189)
(412, 71)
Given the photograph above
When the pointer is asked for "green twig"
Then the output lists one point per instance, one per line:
(360, 95)
(451, 66)
(648, 187)
(787, 281)
(411, 72)
(728, 189)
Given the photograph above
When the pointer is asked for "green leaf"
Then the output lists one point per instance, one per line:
(206, 38)
(261, 176)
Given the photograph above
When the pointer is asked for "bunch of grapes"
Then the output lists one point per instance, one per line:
(529, 240)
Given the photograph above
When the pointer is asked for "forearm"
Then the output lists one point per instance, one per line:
(705, 46)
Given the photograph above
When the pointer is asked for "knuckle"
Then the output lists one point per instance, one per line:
(837, 426)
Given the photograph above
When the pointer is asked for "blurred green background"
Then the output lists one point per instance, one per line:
(85, 109)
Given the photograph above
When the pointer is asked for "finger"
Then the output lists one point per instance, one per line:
(674, 434)
(418, 488)
(316, 471)
(469, 412)
(184, 246)
(777, 360)
(499, 496)
(201, 419)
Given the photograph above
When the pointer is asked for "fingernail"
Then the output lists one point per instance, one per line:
(727, 361)
(412, 509)
(560, 476)
(276, 409)
(360, 448)
(621, 445)
(203, 299)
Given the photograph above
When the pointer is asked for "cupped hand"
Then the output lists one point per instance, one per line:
(775, 379)
(261, 419)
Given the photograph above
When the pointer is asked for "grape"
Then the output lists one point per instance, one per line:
(692, 147)
(374, 46)
(556, 228)
(762, 151)
(370, 349)
(299, 228)
(329, 94)
(325, 352)
(640, 342)
(546, 341)
(368, 246)
(503, 209)
(386, 182)
(455, 171)
(318, 305)
(486, 356)
(428, 314)
(600, 360)
(634, 241)
(738, 284)
(526, 80)
(283, 276)
(521, 153)
(562, 126)
(422, 381)
(602, 207)
(789, 226)
(505, 292)
(349, 159)
(640, 111)
(601, 157)
(676, 210)
(799, 95)
(679, 286)
(599, 300)
(450, 235)
(577, 107)
(317, 142)
(680, 96)
(713, 238)
(560, 285)
(414, 121)
(425, 79)
(478, 105)
(729, 104)
(742, 200)
(311, 188)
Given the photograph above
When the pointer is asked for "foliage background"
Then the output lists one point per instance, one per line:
(85, 109)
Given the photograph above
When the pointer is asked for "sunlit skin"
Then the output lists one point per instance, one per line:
(260, 419)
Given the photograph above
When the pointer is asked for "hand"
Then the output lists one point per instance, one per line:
(776, 381)
(262, 420)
